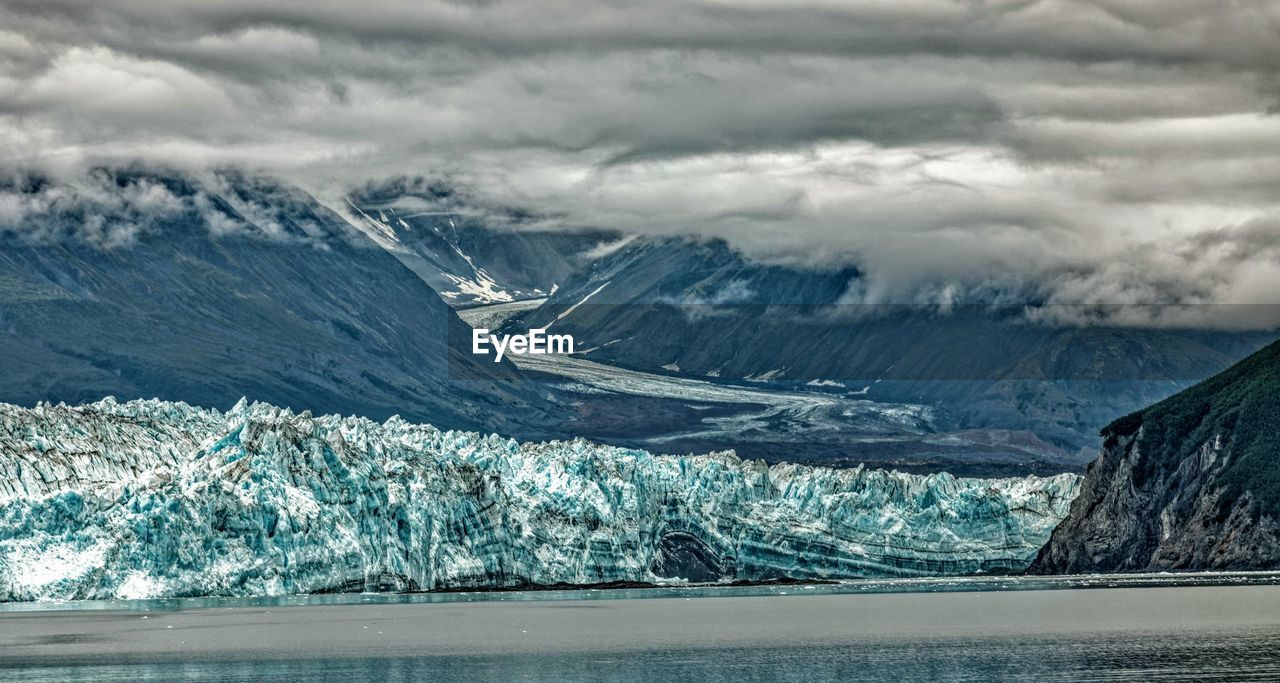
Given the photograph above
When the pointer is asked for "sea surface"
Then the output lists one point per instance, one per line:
(1203, 627)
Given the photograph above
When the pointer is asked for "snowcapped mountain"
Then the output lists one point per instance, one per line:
(700, 308)
(148, 498)
(471, 257)
(148, 284)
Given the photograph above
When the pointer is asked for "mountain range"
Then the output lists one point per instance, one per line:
(142, 284)
(701, 308)
(204, 288)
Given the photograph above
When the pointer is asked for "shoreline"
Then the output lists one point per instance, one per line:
(629, 585)
(628, 590)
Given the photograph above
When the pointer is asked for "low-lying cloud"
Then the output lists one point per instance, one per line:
(109, 209)
(1090, 151)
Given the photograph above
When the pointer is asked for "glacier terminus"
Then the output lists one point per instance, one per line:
(158, 499)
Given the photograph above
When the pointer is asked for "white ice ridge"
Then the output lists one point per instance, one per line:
(157, 499)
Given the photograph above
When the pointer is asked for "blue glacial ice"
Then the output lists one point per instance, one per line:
(158, 499)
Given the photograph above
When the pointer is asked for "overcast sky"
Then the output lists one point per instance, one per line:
(1109, 151)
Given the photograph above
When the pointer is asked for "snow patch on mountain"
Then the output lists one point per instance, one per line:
(480, 287)
(575, 306)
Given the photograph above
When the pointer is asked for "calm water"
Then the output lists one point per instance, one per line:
(1215, 627)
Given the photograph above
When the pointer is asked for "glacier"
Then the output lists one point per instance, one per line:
(159, 499)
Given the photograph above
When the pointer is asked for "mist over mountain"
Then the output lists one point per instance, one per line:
(1077, 152)
(701, 308)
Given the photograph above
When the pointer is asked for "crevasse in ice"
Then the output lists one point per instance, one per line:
(152, 499)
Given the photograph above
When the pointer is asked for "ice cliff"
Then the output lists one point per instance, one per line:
(150, 499)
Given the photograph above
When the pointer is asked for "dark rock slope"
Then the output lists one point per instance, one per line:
(146, 284)
(1191, 483)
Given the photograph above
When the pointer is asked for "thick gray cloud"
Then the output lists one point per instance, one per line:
(1099, 151)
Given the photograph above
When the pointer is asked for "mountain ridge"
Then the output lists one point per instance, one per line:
(143, 283)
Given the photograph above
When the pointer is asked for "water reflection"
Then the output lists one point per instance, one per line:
(1138, 656)
(1114, 627)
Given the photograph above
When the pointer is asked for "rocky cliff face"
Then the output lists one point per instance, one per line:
(1184, 521)
(1189, 483)
(153, 499)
